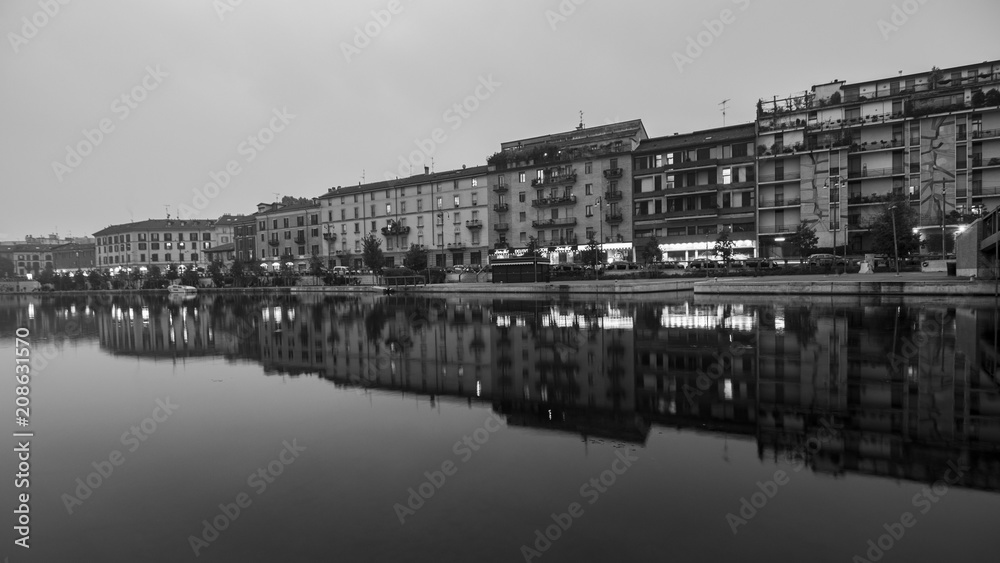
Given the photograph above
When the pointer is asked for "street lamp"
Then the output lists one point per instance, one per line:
(895, 243)
(600, 220)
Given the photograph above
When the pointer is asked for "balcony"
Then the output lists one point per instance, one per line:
(501, 207)
(614, 218)
(979, 190)
(553, 201)
(616, 195)
(780, 177)
(778, 229)
(474, 224)
(561, 222)
(457, 245)
(858, 199)
(501, 227)
(613, 173)
(869, 146)
(331, 237)
(866, 172)
(274, 242)
(987, 134)
(395, 229)
(300, 240)
(780, 202)
(979, 161)
(554, 180)
(500, 188)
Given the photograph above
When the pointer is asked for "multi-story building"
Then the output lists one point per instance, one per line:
(835, 155)
(688, 189)
(563, 190)
(28, 258)
(288, 234)
(442, 212)
(74, 256)
(245, 238)
(155, 242)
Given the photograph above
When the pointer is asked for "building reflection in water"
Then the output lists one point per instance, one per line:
(908, 388)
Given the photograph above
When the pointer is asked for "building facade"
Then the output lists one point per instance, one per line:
(74, 256)
(288, 234)
(688, 189)
(155, 242)
(564, 190)
(444, 213)
(245, 238)
(838, 154)
(29, 258)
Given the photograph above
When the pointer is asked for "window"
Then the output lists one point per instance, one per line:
(588, 189)
(373, 210)
(388, 209)
(387, 196)
(590, 211)
(262, 225)
(458, 201)
(420, 205)
(402, 207)
(475, 182)
(588, 168)
(357, 227)
(288, 235)
(154, 258)
(373, 227)
(274, 224)
(194, 256)
(475, 199)
(420, 221)
(440, 202)
(168, 246)
(168, 236)
(314, 232)
(458, 218)
(520, 197)
(524, 239)
(314, 219)
(727, 176)
(521, 216)
(166, 257)
(521, 177)
(142, 246)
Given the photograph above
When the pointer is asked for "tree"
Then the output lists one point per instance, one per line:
(978, 99)
(215, 272)
(80, 280)
(371, 253)
(992, 97)
(881, 228)
(238, 271)
(592, 255)
(804, 239)
(532, 248)
(96, 279)
(6, 268)
(171, 273)
(416, 258)
(724, 247)
(154, 278)
(190, 277)
(650, 252)
(48, 276)
(315, 265)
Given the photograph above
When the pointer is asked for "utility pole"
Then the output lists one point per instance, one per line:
(723, 104)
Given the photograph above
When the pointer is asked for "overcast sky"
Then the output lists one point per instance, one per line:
(200, 78)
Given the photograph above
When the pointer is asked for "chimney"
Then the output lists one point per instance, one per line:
(427, 169)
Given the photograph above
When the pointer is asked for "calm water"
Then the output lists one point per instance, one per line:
(651, 428)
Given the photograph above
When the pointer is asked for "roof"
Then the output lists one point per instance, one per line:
(157, 225)
(74, 246)
(713, 137)
(586, 135)
(221, 248)
(288, 208)
(418, 179)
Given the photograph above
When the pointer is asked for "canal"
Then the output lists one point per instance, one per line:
(403, 428)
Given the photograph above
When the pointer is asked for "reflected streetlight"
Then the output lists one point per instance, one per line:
(895, 242)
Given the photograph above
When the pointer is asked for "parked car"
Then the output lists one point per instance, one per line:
(622, 266)
(666, 266)
(702, 264)
(826, 260)
(340, 270)
(761, 263)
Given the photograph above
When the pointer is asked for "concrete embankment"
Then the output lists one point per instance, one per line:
(949, 288)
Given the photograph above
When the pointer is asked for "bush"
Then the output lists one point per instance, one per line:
(396, 272)
(434, 275)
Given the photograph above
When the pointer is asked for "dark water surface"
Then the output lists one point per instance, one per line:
(666, 428)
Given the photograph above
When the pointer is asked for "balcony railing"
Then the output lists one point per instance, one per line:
(341, 252)
(395, 230)
(871, 198)
(561, 222)
(554, 180)
(457, 245)
(500, 188)
(979, 160)
(501, 207)
(501, 227)
(332, 237)
(780, 177)
(978, 189)
(613, 173)
(875, 172)
(988, 133)
(877, 145)
(300, 240)
(614, 218)
(780, 202)
(274, 242)
(553, 201)
(474, 224)
(775, 229)
(616, 195)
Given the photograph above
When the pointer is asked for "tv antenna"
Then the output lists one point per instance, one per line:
(277, 197)
(723, 104)
(580, 127)
(166, 209)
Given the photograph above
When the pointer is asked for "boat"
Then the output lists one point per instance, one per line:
(175, 288)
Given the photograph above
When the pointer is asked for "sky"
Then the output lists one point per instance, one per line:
(122, 110)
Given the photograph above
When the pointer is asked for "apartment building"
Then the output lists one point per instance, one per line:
(834, 156)
(155, 242)
(688, 189)
(441, 212)
(288, 234)
(563, 190)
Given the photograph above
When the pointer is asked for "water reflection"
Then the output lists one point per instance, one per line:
(911, 386)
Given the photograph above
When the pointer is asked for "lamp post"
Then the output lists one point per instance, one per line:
(895, 242)
(600, 220)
